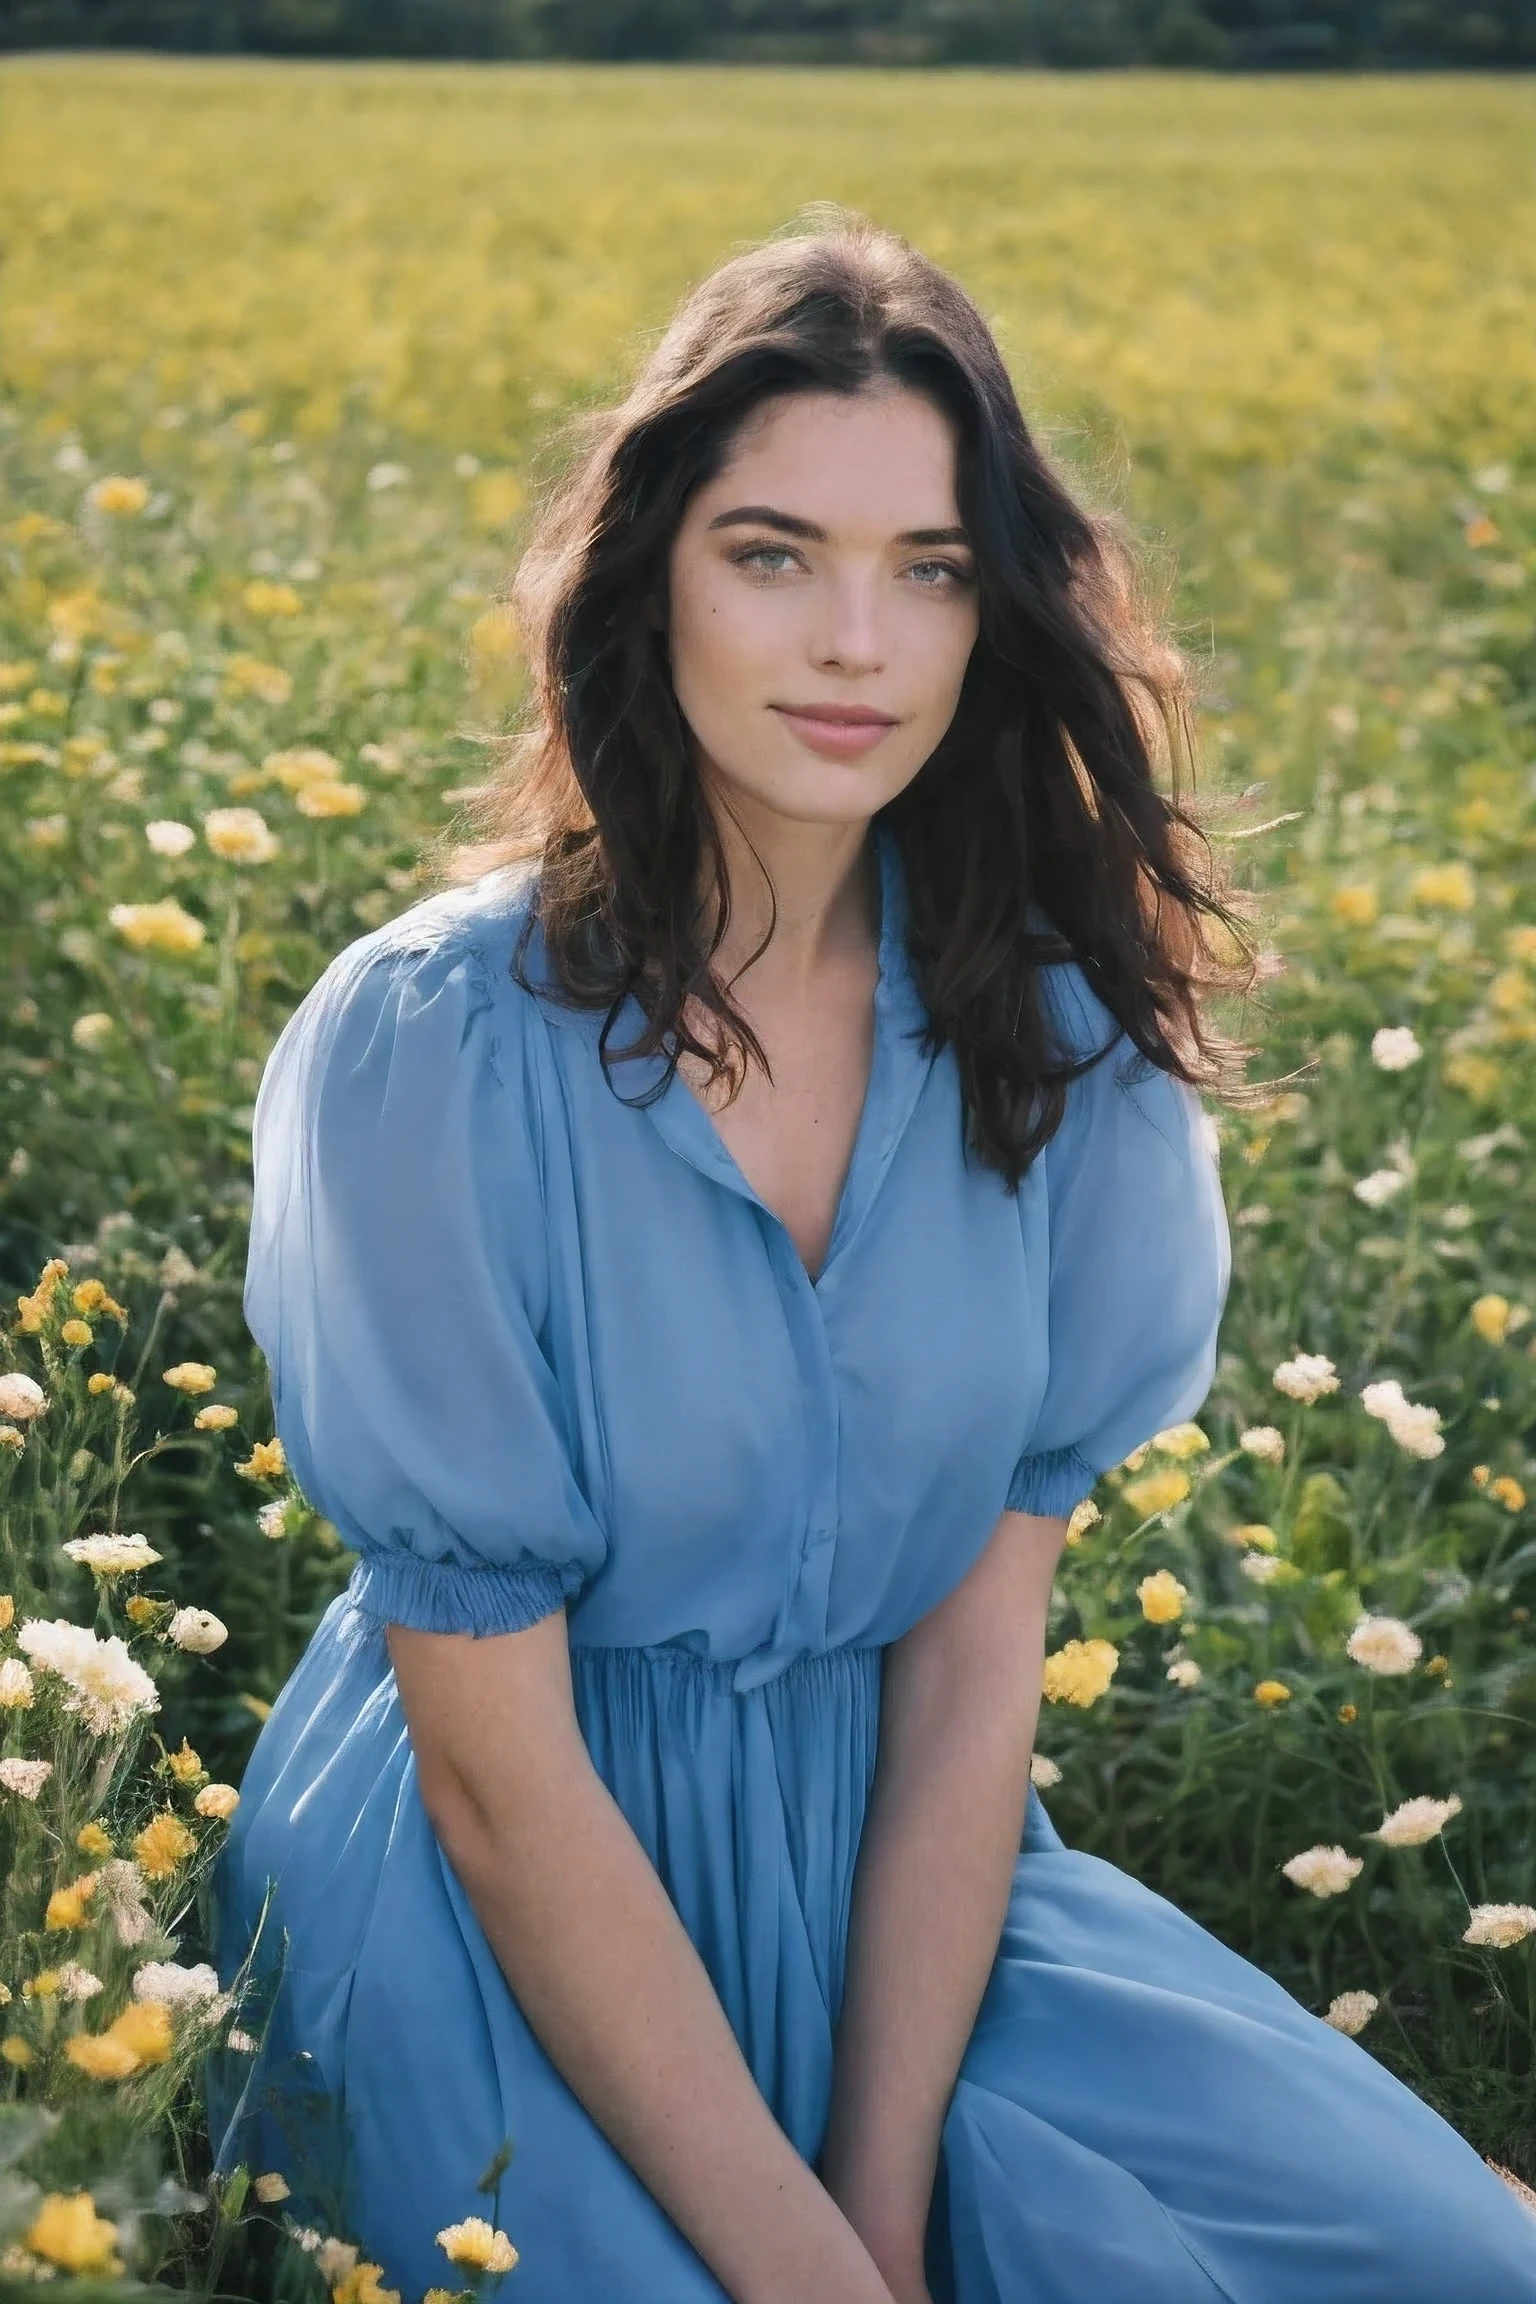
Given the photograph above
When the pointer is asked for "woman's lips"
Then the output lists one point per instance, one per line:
(837, 739)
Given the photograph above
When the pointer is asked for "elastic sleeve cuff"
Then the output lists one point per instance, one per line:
(442, 1596)
(1050, 1482)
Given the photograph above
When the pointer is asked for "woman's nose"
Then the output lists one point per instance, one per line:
(848, 634)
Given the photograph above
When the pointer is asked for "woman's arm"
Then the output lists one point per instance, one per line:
(960, 1696)
(603, 1968)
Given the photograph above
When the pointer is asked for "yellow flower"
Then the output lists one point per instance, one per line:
(240, 835)
(1084, 1516)
(7, 1611)
(445, 2296)
(142, 1610)
(495, 498)
(1520, 943)
(362, 2285)
(1162, 1597)
(266, 1461)
(77, 1332)
(1507, 1492)
(1450, 887)
(118, 495)
(494, 640)
(161, 927)
(15, 675)
(330, 800)
(16, 2052)
(68, 2232)
(67, 1906)
(1348, 1714)
(1492, 1317)
(1181, 1440)
(43, 1986)
(1254, 1536)
(91, 1840)
(185, 1765)
(300, 764)
(100, 1382)
(1477, 1076)
(1080, 1672)
(1157, 1492)
(147, 2028)
(217, 1800)
(191, 1376)
(164, 1843)
(477, 2244)
(272, 2187)
(100, 2057)
(217, 1417)
(1272, 1692)
(261, 598)
(5, 1995)
(249, 676)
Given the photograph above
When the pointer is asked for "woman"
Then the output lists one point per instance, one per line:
(704, 1254)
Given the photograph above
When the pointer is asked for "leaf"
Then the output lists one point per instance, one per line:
(1320, 1532)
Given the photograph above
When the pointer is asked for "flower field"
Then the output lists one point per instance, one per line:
(282, 351)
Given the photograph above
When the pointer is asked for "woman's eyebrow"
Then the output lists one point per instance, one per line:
(789, 524)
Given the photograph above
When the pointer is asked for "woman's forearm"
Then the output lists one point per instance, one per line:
(936, 1859)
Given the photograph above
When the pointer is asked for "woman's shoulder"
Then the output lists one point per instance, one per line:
(468, 933)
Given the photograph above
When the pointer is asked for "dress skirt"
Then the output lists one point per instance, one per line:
(1141, 2116)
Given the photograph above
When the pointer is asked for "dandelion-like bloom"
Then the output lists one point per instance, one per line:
(163, 927)
(1261, 1567)
(186, 1765)
(1162, 1597)
(218, 1416)
(1080, 1672)
(1382, 1185)
(1271, 1692)
(67, 1906)
(1414, 1427)
(1157, 1491)
(197, 1630)
(25, 1778)
(477, 2244)
(1181, 1440)
(251, 676)
(272, 1520)
(218, 1801)
(77, 1983)
(261, 598)
(105, 1686)
(1043, 1772)
(1323, 1871)
(1449, 887)
(242, 2043)
(68, 2233)
(164, 1843)
(1500, 1924)
(118, 493)
(120, 1894)
(1355, 903)
(1083, 1517)
(271, 2187)
(1384, 1644)
(168, 836)
(1492, 1316)
(1184, 1672)
(321, 800)
(92, 1030)
(175, 1986)
(1507, 1492)
(21, 1397)
(266, 1461)
(1414, 1822)
(1394, 1048)
(364, 2284)
(76, 1333)
(191, 1376)
(16, 1690)
(240, 835)
(1306, 1377)
(112, 1555)
(91, 1840)
(1351, 2011)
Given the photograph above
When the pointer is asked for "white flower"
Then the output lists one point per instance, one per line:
(388, 475)
(1413, 1426)
(1261, 1567)
(1184, 1672)
(243, 2043)
(1043, 1772)
(1500, 1924)
(272, 1518)
(25, 1778)
(1394, 1048)
(21, 1398)
(177, 1269)
(1323, 1871)
(1265, 1441)
(1382, 1185)
(15, 1685)
(1351, 2011)
(240, 835)
(177, 1987)
(111, 1555)
(273, 2186)
(93, 1030)
(120, 1894)
(336, 2259)
(77, 1983)
(197, 1630)
(1307, 1377)
(106, 1687)
(1384, 1644)
(167, 837)
(1415, 1821)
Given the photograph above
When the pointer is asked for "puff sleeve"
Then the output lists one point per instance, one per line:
(1140, 1260)
(397, 1281)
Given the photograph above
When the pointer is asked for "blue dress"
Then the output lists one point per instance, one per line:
(530, 1347)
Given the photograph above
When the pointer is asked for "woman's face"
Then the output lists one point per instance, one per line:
(823, 603)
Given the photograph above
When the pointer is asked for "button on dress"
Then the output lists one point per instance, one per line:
(535, 1346)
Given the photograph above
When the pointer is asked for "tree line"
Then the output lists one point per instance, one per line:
(1263, 35)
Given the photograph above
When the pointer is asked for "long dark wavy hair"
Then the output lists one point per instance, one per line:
(1056, 789)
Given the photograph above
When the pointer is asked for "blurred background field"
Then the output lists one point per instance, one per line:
(283, 348)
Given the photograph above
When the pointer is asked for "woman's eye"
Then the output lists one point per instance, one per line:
(757, 554)
(944, 571)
